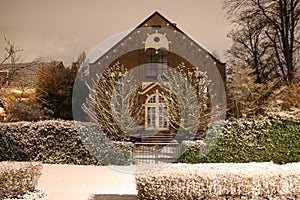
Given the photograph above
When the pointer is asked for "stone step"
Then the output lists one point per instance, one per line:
(157, 135)
(157, 140)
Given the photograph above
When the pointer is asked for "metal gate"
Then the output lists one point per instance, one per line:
(156, 152)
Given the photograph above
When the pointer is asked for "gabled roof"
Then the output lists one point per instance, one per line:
(148, 87)
(177, 29)
(156, 13)
(104, 49)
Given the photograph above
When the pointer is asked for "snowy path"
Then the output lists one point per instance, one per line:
(63, 182)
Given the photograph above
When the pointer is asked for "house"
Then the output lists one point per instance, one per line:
(149, 50)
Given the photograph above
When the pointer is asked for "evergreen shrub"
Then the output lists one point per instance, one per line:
(241, 141)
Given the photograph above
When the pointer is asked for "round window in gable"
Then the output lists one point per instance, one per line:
(156, 39)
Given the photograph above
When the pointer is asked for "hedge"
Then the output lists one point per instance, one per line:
(241, 141)
(59, 142)
(220, 181)
(17, 178)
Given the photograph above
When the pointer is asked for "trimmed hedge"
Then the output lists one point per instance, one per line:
(220, 181)
(57, 142)
(276, 140)
(16, 179)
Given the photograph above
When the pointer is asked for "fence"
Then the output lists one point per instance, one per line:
(156, 152)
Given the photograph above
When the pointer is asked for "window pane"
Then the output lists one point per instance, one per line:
(151, 56)
(151, 71)
(157, 59)
(152, 100)
(157, 114)
(162, 56)
(162, 117)
(151, 117)
(161, 99)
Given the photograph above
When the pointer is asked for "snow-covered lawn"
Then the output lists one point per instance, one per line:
(77, 182)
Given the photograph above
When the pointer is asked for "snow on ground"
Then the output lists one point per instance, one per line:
(62, 182)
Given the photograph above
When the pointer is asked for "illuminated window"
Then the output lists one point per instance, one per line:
(156, 113)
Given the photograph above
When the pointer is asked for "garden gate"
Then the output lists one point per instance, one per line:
(156, 152)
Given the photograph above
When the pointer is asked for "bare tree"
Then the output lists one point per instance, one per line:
(13, 71)
(17, 81)
(8, 65)
(111, 103)
(252, 48)
(187, 100)
(272, 37)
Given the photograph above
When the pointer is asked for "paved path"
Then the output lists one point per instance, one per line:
(113, 197)
(64, 182)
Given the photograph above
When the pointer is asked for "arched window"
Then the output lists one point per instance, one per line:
(151, 68)
(162, 56)
(162, 61)
(156, 63)
(156, 113)
(151, 56)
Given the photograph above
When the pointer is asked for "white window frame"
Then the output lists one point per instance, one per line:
(157, 106)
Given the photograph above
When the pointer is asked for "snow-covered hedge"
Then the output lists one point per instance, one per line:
(17, 178)
(242, 141)
(220, 181)
(105, 151)
(57, 142)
